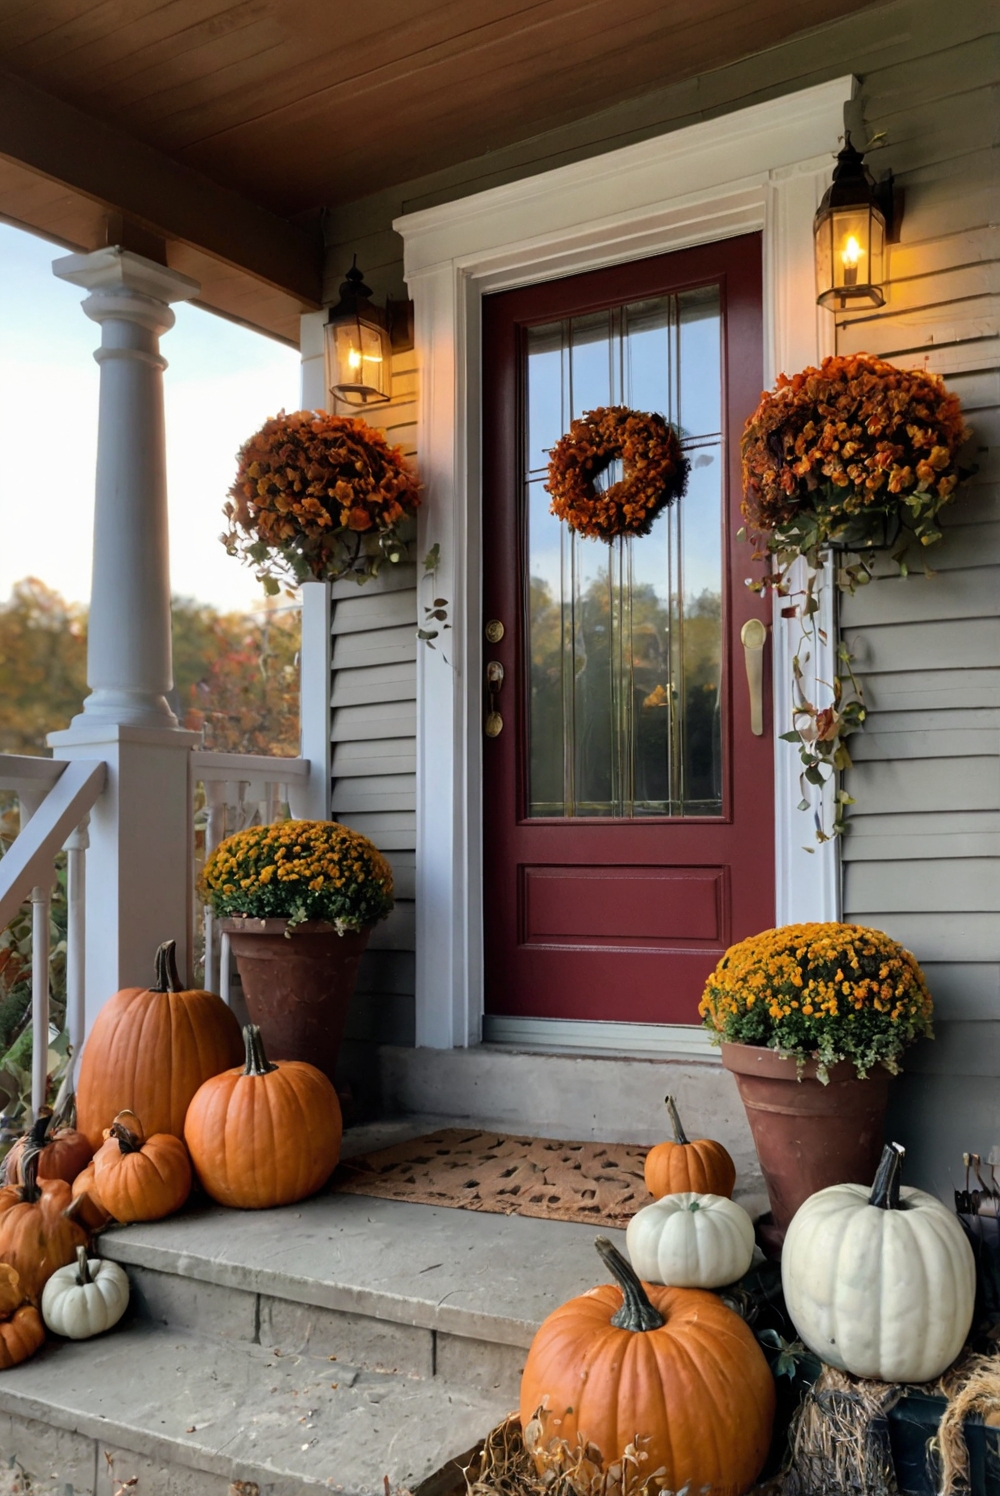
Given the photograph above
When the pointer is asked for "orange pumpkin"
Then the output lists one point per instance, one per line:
(21, 1327)
(671, 1369)
(264, 1135)
(149, 1051)
(36, 1233)
(64, 1150)
(139, 1178)
(702, 1167)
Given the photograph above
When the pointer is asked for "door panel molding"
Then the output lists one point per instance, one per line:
(763, 169)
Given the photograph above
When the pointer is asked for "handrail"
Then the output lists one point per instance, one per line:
(28, 777)
(28, 863)
(206, 765)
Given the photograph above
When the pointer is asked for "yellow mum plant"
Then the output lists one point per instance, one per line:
(299, 870)
(825, 991)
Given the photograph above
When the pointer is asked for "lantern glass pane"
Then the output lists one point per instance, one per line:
(359, 368)
(823, 238)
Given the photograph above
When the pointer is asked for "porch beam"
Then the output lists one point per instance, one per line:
(112, 168)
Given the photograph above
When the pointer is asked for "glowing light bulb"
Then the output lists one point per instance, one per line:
(852, 252)
(354, 359)
(850, 255)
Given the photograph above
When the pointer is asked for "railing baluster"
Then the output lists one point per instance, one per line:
(76, 942)
(215, 830)
(41, 902)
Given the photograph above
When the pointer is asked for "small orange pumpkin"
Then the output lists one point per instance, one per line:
(21, 1327)
(149, 1051)
(671, 1369)
(37, 1231)
(264, 1135)
(702, 1167)
(64, 1150)
(139, 1178)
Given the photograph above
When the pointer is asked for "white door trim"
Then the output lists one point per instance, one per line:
(762, 168)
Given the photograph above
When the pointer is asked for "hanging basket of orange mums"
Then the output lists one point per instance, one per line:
(856, 454)
(319, 496)
(654, 472)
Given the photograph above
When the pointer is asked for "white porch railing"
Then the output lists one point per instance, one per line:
(54, 804)
(240, 790)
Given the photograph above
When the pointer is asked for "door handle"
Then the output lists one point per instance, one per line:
(753, 635)
(493, 725)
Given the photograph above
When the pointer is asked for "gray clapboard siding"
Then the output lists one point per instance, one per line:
(390, 719)
(949, 884)
(969, 991)
(935, 690)
(373, 726)
(958, 593)
(925, 783)
(954, 644)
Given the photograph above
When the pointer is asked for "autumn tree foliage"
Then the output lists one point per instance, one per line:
(43, 665)
(236, 675)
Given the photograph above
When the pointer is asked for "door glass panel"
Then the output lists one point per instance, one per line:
(625, 640)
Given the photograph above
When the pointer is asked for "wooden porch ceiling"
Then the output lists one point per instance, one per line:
(293, 105)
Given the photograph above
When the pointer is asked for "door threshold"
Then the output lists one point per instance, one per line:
(679, 1041)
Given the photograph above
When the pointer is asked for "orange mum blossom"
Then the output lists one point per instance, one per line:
(655, 472)
(321, 496)
(825, 991)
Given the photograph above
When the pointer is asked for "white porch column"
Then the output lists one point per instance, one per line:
(139, 863)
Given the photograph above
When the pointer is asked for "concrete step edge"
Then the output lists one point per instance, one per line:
(157, 1392)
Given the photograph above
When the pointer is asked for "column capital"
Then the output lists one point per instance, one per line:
(117, 269)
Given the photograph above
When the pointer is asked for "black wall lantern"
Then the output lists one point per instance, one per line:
(357, 345)
(852, 226)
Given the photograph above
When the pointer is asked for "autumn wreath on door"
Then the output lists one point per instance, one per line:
(654, 472)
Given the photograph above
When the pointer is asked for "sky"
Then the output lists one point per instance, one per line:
(222, 382)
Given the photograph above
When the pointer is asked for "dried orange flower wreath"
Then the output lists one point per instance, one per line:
(655, 472)
(317, 495)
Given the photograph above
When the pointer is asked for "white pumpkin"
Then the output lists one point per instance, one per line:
(880, 1282)
(85, 1298)
(691, 1241)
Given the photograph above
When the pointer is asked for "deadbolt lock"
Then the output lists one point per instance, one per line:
(494, 631)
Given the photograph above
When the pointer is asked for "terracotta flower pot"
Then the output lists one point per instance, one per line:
(808, 1135)
(298, 987)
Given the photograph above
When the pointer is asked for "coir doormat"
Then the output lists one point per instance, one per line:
(596, 1183)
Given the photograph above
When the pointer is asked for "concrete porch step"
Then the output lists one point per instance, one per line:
(187, 1415)
(425, 1291)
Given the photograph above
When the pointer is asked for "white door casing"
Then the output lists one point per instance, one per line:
(762, 168)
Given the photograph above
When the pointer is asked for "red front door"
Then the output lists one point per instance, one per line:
(628, 806)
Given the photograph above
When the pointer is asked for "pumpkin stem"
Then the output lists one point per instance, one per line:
(257, 1062)
(30, 1188)
(82, 1267)
(885, 1190)
(636, 1312)
(680, 1136)
(39, 1129)
(167, 978)
(127, 1140)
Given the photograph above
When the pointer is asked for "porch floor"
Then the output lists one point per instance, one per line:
(329, 1345)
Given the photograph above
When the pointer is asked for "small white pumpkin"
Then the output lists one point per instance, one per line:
(882, 1282)
(691, 1241)
(85, 1298)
